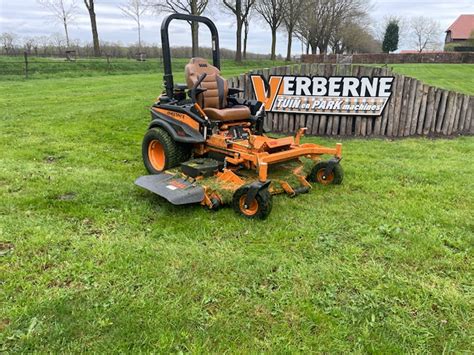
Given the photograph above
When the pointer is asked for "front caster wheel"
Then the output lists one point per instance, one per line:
(318, 175)
(259, 208)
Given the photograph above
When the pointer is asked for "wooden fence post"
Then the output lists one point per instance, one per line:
(26, 64)
(108, 63)
(422, 112)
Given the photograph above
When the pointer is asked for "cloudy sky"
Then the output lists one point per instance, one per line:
(27, 18)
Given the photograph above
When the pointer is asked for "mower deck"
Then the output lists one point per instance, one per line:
(172, 187)
(180, 189)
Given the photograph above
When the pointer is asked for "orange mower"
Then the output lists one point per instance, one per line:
(207, 146)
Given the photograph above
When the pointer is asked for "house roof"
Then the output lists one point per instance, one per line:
(462, 27)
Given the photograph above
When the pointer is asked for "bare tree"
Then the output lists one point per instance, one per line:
(63, 11)
(30, 43)
(8, 40)
(241, 10)
(135, 10)
(354, 37)
(192, 7)
(293, 11)
(325, 18)
(272, 13)
(425, 33)
(95, 34)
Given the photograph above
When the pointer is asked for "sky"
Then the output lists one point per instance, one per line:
(27, 18)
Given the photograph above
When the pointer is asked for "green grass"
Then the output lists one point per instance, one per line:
(90, 262)
(455, 77)
(13, 68)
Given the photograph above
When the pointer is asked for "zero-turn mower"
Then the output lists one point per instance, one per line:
(206, 145)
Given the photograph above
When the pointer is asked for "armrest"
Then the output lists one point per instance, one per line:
(232, 100)
(235, 91)
(193, 93)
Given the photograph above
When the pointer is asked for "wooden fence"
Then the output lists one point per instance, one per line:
(414, 109)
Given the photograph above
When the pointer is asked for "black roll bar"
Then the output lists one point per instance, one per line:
(165, 44)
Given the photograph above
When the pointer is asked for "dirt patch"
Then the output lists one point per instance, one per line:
(67, 196)
(51, 159)
(4, 324)
(6, 248)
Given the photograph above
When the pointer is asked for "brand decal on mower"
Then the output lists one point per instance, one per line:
(181, 117)
(321, 95)
(177, 185)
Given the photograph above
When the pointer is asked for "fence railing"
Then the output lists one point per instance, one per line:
(28, 66)
(414, 108)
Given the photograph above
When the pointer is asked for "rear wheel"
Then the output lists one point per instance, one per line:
(259, 208)
(317, 174)
(161, 152)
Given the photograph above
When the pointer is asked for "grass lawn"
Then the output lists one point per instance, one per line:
(13, 68)
(456, 77)
(90, 262)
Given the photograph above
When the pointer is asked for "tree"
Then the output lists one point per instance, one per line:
(241, 10)
(58, 41)
(354, 37)
(192, 7)
(95, 35)
(425, 33)
(30, 43)
(62, 11)
(135, 10)
(292, 14)
(8, 40)
(272, 13)
(327, 17)
(391, 37)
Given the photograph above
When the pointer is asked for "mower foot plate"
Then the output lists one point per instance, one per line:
(174, 189)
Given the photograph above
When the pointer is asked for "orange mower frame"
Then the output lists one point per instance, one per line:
(212, 148)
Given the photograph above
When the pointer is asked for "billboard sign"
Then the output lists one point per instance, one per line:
(336, 95)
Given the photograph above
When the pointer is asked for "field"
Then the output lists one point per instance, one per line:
(13, 68)
(90, 262)
(456, 77)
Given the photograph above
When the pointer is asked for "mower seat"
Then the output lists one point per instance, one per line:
(214, 99)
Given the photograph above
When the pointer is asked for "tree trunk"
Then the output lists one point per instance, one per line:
(288, 49)
(246, 34)
(195, 39)
(67, 33)
(274, 35)
(195, 30)
(139, 35)
(95, 34)
(238, 49)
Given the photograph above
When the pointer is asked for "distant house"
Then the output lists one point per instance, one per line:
(461, 30)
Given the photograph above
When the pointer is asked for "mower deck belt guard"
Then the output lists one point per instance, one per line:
(174, 189)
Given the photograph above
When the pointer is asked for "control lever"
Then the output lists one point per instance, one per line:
(196, 90)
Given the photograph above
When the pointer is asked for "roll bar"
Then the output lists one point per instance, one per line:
(165, 44)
